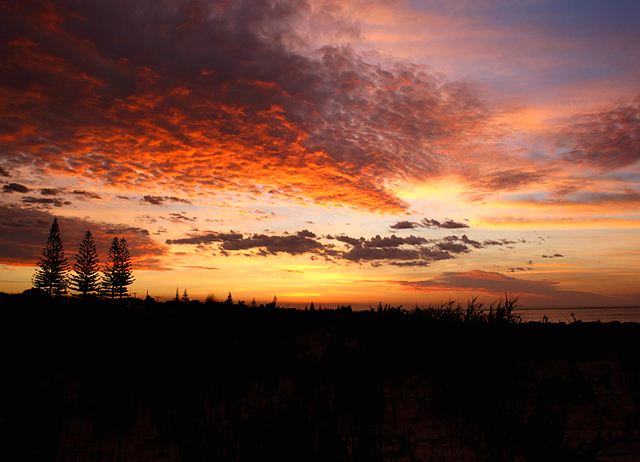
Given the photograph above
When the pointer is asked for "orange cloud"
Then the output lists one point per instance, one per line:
(238, 111)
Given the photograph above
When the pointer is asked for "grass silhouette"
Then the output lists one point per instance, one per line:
(134, 380)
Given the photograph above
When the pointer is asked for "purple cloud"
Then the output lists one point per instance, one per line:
(606, 140)
(496, 284)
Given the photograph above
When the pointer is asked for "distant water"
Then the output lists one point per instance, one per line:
(622, 314)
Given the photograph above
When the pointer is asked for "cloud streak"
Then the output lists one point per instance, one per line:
(162, 200)
(378, 250)
(428, 223)
(496, 284)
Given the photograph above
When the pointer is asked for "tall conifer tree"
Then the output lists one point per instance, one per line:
(117, 272)
(51, 274)
(125, 275)
(86, 277)
(109, 272)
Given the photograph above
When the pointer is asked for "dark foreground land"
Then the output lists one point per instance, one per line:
(105, 381)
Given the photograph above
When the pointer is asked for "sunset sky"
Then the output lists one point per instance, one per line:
(349, 152)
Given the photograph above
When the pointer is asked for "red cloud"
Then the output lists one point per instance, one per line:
(110, 93)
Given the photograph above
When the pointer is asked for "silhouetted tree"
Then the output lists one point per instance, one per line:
(51, 274)
(274, 303)
(117, 272)
(86, 277)
(185, 297)
(229, 300)
(177, 297)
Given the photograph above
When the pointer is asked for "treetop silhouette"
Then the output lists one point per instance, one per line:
(86, 277)
(117, 274)
(51, 274)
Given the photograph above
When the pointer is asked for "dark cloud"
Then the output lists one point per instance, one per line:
(161, 200)
(50, 191)
(207, 238)
(11, 187)
(464, 240)
(405, 225)
(453, 247)
(500, 242)
(496, 284)
(4, 173)
(119, 230)
(350, 240)
(359, 254)
(447, 224)
(44, 202)
(606, 140)
(291, 244)
(393, 250)
(409, 251)
(555, 255)
(393, 241)
(430, 224)
(221, 95)
(306, 233)
(24, 233)
(86, 194)
(180, 218)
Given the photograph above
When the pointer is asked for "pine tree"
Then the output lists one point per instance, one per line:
(86, 279)
(109, 273)
(185, 297)
(117, 272)
(51, 273)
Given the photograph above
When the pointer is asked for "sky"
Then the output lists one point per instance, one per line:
(335, 152)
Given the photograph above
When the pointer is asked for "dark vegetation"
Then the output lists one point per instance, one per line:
(131, 380)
